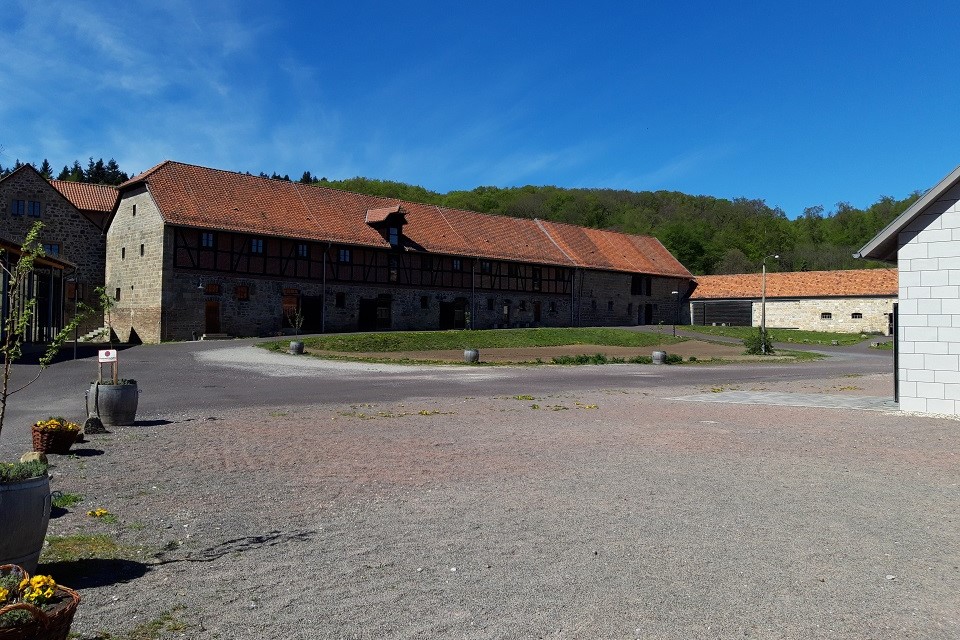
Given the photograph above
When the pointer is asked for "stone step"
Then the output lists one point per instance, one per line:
(216, 336)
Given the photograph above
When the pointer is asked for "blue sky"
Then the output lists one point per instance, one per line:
(795, 103)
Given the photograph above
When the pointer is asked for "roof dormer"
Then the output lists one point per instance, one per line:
(389, 222)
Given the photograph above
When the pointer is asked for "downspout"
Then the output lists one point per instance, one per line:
(323, 293)
(473, 293)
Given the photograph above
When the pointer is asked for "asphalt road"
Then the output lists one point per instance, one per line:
(202, 378)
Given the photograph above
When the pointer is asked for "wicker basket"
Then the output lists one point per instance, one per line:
(46, 625)
(53, 441)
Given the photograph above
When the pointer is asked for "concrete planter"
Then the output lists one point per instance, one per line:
(25, 514)
(115, 404)
(471, 356)
(659, 357)
(296, 347)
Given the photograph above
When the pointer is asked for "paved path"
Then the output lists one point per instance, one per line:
(821, 400)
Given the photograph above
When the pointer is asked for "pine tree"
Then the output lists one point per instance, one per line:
(46, 170)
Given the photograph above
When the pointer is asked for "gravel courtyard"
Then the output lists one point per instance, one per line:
(608, 513)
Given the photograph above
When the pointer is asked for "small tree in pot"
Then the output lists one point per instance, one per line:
(113, 402)
(295, 318)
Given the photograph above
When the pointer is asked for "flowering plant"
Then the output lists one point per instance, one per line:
(57, 424)
(20, 593)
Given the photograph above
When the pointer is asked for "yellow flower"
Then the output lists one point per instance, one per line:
(4, 593)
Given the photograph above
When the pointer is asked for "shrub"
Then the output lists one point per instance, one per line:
(754, 343)
(673, 358)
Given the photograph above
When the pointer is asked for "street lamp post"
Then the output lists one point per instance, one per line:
(763, 304)
(676, 319)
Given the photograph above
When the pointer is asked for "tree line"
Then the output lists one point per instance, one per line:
(707, 235)
(97, 172)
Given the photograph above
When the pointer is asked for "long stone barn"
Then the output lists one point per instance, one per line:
(846, 301)
(193, 251)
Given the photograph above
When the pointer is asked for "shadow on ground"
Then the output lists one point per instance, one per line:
(88, 573)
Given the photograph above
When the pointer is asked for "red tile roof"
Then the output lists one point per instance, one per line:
(194, 196)
(379, 215)
(88, 197)
(799, 284)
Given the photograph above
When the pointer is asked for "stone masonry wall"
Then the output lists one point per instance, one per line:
(186, 294)
(929, 309)
(81, 242)
(807, 314)
(135, 266)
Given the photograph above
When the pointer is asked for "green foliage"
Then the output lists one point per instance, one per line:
(480, 339)
(65, 500)
(796, 336)
(758, 343)
(17, 471)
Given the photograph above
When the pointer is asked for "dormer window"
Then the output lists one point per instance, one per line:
(388, 221)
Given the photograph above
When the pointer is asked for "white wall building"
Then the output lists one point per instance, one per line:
(924, 241)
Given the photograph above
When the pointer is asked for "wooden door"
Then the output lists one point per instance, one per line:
(212, 317)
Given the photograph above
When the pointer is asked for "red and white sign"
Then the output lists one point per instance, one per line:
(108, 355)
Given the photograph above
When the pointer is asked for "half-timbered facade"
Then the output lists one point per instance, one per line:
(194, 251)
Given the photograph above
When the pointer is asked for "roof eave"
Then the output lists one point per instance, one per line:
(884, 245)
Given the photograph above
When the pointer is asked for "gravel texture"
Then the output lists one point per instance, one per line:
(604, 513)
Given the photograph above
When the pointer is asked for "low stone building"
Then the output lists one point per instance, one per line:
(193, 250)
(859, 300)
(74, 217)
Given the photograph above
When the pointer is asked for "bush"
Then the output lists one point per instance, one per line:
(673, 358)
(754, 343)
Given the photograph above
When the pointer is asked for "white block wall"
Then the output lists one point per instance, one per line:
(929, 329)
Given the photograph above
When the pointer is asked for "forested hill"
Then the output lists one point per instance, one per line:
(708, 235)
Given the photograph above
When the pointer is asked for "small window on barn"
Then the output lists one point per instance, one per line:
(241, 292)
(826, 315)
(212, 289)
(256, 246)
(485, 266)
(33, 209)
(393, 273)
(553, 307)
(393, 236)
(303, 250)
(537, 278)
(51, 249)
(457, 264)
(116, 294)
(343, 256)
(134, 211)
(123, 253)
(206, 239)
(341, 300)
(513, 270)
(424, 302)
(856, 315)
(141, 250)
(426, 263)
